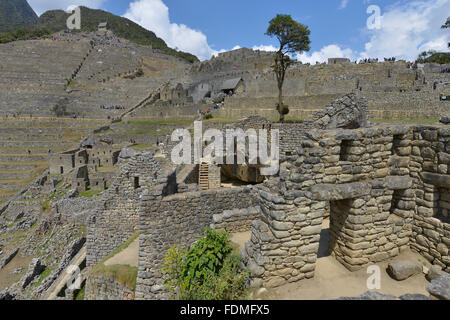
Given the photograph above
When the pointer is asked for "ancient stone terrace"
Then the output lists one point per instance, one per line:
(83, 75)
(25, 143)
(394, 90)
(34, 74)
(105, 62)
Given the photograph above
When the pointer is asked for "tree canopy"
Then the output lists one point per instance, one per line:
(292, 35)
(294, 39)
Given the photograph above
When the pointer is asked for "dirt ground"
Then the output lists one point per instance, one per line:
(332, 280)
(7, 278)
(128, 256)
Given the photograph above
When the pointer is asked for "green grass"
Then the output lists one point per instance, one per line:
(88, 193)
(125, 274)
(162, 122)
(287, 120)
(431, 120)
(143, 147)
(19, 234)
(144, 131)
(80, 294)
(44, 275)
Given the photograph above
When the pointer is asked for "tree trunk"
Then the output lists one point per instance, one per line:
(280, 102)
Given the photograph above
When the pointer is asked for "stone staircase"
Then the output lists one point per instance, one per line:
(203, 176)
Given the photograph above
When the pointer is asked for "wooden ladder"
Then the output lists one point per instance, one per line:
(203, 176)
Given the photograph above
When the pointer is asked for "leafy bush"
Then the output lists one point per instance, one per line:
(207, 271)
(285, 110)
(207, 116)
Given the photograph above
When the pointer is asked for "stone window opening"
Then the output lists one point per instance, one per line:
(136, 183)
(61, 169)
(345, 148)
(396, 198)
(396, 142)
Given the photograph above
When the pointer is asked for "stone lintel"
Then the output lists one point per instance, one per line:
(436, 179)
(330, 192)
(398, 183)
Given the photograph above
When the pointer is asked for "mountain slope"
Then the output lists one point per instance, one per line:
(55, 20)
(16, 13)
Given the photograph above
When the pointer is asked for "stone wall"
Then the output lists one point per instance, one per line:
(115, 217)
(429, 165)
(236, 220)
(102, 287)
(380, 197)
(178, 219)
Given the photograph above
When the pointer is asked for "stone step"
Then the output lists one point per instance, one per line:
(34, 144)
(16, 166)
(24, 157)
(8, 174)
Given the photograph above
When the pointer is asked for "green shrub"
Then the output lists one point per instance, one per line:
(207, 271)
(207, 116)
(285, 110)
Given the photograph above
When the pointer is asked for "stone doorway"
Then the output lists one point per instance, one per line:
(332, 226)
(339, 211)
(442, 209)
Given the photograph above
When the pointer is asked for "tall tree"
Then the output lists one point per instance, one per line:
(294, 39)
(447, 25)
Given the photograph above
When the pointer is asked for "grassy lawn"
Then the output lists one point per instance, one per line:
(88, 193)
(162, 122)
(432, 120)
(145, 131)
(139, 147)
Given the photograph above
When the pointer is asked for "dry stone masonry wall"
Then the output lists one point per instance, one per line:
(379, 197)
(180, 219)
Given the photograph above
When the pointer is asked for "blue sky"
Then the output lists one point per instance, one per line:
(338, 27)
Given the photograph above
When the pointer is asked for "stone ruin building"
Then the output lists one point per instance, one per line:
(80, 167)
(384, 187)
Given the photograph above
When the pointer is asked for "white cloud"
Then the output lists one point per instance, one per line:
(330, 51)
(40, 6)
(265, 48)
(154, 15)
(408, 29)
(344, 4)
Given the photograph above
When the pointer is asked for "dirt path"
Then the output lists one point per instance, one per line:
(61, 281)
(128, 256)
(332, 280)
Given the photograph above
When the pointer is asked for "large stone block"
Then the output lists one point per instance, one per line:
(327, 192)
